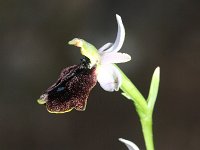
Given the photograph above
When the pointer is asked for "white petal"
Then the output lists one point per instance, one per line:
(109, 77)
(104, 47)
(117, 57)
(129, 144)
(120, 36)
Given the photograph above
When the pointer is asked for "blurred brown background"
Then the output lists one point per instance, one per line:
(33, 50)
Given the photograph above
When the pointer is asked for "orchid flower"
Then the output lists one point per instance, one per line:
(130, 145)
(74, 84)
(105, 57)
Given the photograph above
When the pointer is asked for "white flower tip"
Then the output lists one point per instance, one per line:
(119, 21)
(113, 58)
(122, 57)
(128, 57)
(120, 36)
(118, 17)
(129, 144)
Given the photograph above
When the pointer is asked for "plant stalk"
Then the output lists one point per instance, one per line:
(147, 132)
(144, 112)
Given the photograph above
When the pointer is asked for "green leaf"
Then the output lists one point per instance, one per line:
(153, 92)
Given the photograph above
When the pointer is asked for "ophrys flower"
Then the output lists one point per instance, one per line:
(75, 83)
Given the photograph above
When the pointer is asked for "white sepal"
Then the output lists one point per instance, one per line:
(104, 47)
(120, 36)
(107, 58)
(129, 144)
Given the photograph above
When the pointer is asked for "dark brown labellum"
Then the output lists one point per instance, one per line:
(71, 89)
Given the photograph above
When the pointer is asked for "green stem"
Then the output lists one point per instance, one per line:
(147, 132)
(144, 111)
(130, 89)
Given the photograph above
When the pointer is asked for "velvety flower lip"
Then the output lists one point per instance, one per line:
(105, 57)
(71, 89)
